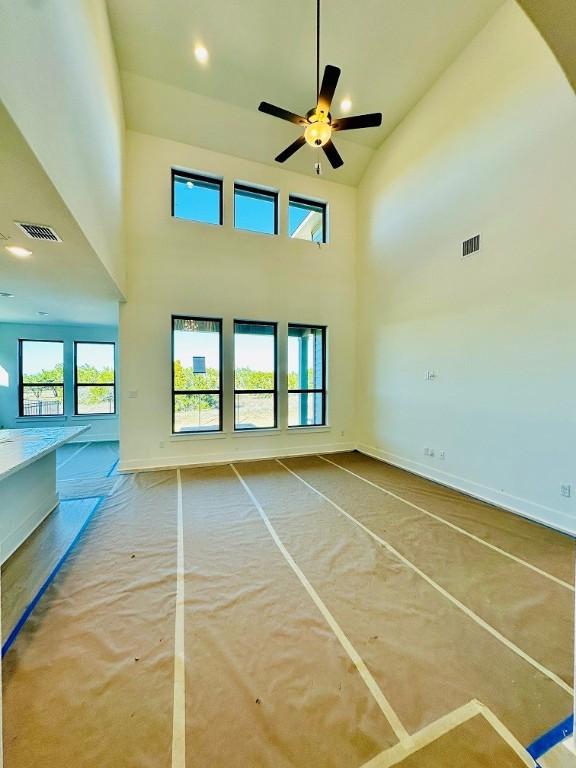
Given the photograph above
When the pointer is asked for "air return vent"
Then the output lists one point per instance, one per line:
(38, 231)
(471, 245)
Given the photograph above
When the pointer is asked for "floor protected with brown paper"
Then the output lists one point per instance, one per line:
(322, 611)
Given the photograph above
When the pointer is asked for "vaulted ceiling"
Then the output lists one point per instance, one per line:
(390, 53)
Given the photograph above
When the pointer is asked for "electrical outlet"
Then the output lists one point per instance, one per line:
(161, 444)
(431, 452)
(566, 490)
(442, 454)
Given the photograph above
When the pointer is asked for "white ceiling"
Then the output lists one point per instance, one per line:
(65, 279)
(390, 53)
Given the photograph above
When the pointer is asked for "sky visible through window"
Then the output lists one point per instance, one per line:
(306, 220)
(255, 352)
(38, 356)
(197, 200)
(254, 212)
(99, 356)
(189, 344)
(296, 216)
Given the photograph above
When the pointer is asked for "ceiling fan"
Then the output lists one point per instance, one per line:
(318, 124)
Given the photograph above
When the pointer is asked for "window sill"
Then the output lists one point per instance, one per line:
(177, 437)
(256, 432)
(40, 418)
(317, 245)
(256, 232)
(311, 428)
(99, 416)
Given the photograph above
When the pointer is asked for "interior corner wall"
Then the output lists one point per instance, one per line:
(556, 21)
(102, 427)
(189, 268)
(59, 81)
(489, 150)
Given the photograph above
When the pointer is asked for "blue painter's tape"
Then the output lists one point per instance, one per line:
(66, 499)
(113, 467)
(554, 736)
(22, 620)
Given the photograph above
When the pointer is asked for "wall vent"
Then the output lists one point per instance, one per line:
(471, 245)
(38, 232)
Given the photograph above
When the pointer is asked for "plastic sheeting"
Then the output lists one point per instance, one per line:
(93, 460)
(88, 488)
(90, 680)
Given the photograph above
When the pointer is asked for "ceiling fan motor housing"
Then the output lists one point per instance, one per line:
(318, 131)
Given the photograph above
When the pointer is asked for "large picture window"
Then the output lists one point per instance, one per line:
(41, 378)
(306, 375)
(196, 197)
(255, 361)
(197, 374)
(94, 378)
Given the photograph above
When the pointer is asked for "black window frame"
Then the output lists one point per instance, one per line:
(262, 192)
(22, 384)
(78, 384)
(219, 391)
(273, 392)
(195, 176)
(299, 200)
(314, 391)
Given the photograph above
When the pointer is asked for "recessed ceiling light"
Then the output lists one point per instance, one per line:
(17, 250)
(6, 295)
(43, 314)
(346, 105)
(201, 54)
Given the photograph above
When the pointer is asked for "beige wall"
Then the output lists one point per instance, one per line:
(490, 149)
(59, 81)
(556, 20)
(184, 267)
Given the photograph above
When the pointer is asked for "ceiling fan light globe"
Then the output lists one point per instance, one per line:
(318, 133)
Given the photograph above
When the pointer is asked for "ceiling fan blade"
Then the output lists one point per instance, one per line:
(289, 151)
(283, 114)
(373, 120)
(332, 154)
(328, 87)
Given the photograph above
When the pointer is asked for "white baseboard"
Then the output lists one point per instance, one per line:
(207, 459)
(552, 518)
